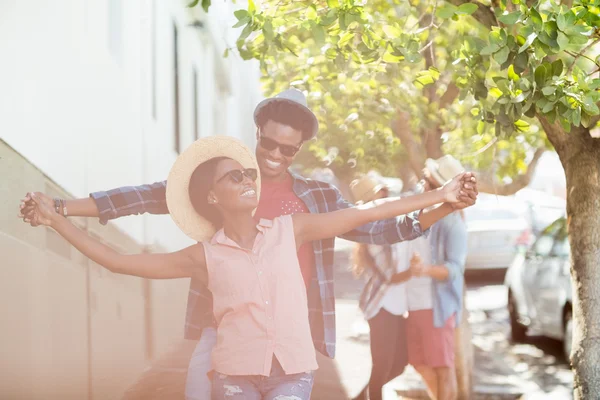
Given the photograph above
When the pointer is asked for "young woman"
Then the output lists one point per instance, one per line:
(435, 292)
(383, 299)
(264, 347)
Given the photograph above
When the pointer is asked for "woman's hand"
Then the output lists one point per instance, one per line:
(453, 190)
(28, 206)
(38, 210)
(416, 265)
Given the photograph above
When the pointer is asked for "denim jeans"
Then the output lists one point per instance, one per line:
(277, 386)
(197, 385)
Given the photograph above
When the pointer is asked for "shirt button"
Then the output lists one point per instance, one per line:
(260, 272)
(267, 302)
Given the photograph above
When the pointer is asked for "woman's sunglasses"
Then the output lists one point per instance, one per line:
(237, 175)
(270, 145)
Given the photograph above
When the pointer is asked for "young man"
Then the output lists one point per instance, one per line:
(284, 123)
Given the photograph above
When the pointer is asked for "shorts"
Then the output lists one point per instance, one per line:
(427, 345)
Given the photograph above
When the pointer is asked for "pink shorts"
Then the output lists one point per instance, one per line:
(427, 345)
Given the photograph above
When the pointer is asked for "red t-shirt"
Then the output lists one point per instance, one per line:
(277, 199)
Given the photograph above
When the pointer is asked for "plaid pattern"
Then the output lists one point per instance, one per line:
(379, 282)
(319, 197)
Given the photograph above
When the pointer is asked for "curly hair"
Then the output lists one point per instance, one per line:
(286, 113)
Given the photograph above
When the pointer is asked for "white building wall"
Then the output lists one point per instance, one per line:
(82, 112)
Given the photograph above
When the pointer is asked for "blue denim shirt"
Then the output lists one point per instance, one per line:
(449, 247)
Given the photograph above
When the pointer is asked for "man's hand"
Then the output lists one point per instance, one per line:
(28, 206)
(469, 193)
(41, 212)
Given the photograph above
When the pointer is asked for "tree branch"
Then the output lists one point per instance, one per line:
(484, 15)
(416, 158)
(487, 185)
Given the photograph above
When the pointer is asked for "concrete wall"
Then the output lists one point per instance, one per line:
(87, 103)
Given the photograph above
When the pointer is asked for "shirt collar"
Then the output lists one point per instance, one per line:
(222, 239)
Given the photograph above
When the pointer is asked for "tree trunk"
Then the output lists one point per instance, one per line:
(582, 167)
(580, 156)
(464, 354)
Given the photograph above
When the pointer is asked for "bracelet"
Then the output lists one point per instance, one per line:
(57, 205)
(64, 204)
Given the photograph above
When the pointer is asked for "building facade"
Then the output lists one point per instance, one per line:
(96, 95)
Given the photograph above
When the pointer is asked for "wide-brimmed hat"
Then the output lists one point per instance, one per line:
(365, 188)
(444, 169)
(296, 97)
(178, 199)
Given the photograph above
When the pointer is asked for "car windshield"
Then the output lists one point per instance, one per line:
(554, 240)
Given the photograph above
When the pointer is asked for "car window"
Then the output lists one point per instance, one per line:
(543, 246)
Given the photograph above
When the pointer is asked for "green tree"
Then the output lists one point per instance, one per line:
(481, 73)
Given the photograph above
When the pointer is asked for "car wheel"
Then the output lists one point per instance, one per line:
(518, 331)
(568, 334)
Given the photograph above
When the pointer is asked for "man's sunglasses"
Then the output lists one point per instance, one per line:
(270, 145)
(237, 175)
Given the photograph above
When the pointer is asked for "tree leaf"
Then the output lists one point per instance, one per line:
(348, 36)
(576, 117)
(333, 3)
(561, 22)
(246, 32)
(446, 11)
(512, 75)
(206, 5)
(193, 3)
(480, 127)
(489, 50)
(536, 20)
(528, 42)
(319, 34)
(466, 9)
(557, 67)
(251, 6)
(540, 75)
(510, 18)
(563, 41)
(549, 90)
(392, 32)
(502, 55)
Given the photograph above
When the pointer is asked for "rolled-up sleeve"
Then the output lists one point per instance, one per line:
(455, 250)
(131, 200)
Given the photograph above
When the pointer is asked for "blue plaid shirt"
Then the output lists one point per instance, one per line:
(319, 197)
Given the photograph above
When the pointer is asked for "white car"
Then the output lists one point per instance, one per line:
(539, 288)
(496, 225)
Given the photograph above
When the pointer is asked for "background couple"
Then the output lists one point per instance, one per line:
(214, 184)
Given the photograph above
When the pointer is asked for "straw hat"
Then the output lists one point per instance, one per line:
(444, 169)
(366, 188)
(178, 198)
(296, 97)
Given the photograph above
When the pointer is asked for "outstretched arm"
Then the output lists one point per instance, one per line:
(181, 264)
(309, 227)
(410, 225)
(111, 204)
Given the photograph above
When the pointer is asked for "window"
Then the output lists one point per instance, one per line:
(196, 105)
(176, 111)
(115, 29)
